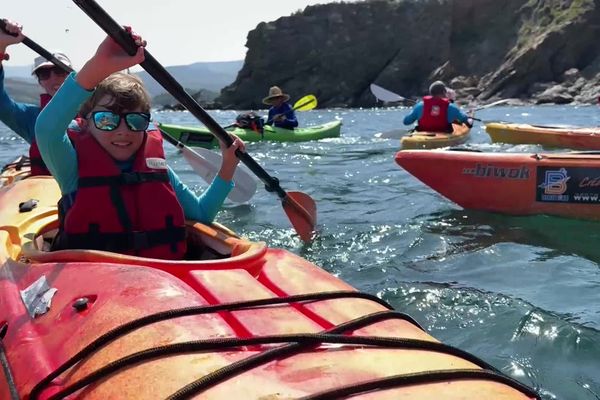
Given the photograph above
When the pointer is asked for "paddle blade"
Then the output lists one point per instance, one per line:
(384, 94)
(301, 209)
(495, 103)
(199, 164)
(245, 184)
(207, 165)
(306, 103)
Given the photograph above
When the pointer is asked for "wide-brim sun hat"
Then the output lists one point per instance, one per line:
(41, 62)
(274, 93)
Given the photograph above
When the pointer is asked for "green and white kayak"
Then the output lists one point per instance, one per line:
(201, 137)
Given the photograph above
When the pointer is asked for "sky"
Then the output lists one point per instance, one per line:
(178, 32)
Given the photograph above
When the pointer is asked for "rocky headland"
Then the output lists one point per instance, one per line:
(538, 51)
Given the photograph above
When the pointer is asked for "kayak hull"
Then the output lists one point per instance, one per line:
(201, 137)
(100, 292)
(570, 138)
(564, 184)
(432, 140)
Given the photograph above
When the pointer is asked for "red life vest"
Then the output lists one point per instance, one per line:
(133, 212)
(435, 115)
(38, 167)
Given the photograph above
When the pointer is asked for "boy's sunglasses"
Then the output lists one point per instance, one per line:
(44, 73)
(109, 121)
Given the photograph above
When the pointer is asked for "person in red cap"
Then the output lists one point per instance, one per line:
(21, 117)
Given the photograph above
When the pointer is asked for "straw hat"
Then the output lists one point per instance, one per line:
(274, 93)
(41, 62)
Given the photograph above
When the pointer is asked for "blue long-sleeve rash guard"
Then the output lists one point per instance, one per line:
(290, 122)
(19, 117)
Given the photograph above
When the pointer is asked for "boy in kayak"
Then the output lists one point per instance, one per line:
(435, 113)
(119, 194)
(20, 117)
(281, 113)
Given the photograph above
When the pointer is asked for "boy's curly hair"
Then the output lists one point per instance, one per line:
(127, 93)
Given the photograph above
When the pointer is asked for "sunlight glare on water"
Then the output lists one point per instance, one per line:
(519, 292)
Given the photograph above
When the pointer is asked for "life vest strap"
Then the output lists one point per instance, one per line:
(122, 241)
(125, 178)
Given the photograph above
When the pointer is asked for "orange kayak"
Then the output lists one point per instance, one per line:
(570, 138)
(563, 184)
(235, 320)
(432, 140)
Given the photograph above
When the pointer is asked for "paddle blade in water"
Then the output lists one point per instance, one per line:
(306, 103)
(301, 209)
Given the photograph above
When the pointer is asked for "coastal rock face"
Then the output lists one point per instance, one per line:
(539, 50)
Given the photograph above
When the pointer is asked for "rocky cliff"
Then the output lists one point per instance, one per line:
(539, 50)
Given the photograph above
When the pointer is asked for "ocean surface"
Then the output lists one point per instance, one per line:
(522, 293)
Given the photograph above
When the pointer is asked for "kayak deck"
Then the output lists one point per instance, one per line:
(570, 138)
(122, 326)
(432, 140)
(201, 137)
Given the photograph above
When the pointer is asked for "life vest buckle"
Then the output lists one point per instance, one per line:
(129, 178)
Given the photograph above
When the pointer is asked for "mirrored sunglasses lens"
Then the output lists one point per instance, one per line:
(59, 71)
(106, 120)
(137, 121)
(43, 73)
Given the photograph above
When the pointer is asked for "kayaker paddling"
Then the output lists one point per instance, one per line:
(436, 113)
(21, 117)
(122, 196)
(281, 113)
(249, 124)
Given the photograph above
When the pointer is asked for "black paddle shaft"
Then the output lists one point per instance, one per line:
(38, 49)
(166, 80)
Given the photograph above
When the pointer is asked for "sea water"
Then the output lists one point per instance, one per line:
(522, 293)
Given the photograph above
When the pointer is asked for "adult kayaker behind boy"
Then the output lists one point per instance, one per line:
(21, 117)
(281, 113)
(435, 113)
(119, 194)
